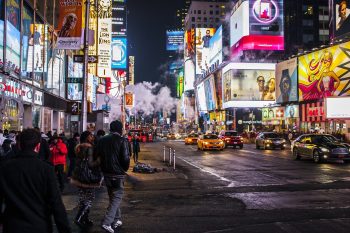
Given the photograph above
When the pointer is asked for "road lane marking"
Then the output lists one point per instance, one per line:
(231, 182)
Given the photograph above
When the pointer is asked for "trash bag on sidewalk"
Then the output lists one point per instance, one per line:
(144, 168)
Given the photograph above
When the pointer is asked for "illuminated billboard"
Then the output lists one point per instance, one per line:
(341, 12)
(13, 49)
(202, 43)
(180, 83)
(248, 84)
(74, 91)
(215, 48)
(118, 18)
(74, 71)
(189, 75)
(189, 44)
(131, 80)
(287, 81)
(37, 46)
(201, 101)
(119, 53)
(210, 93)
(175, 40)
(258, 26)
(324, 73)
(338, 108)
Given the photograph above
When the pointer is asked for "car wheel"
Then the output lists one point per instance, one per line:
(317, 157)
(296, 154)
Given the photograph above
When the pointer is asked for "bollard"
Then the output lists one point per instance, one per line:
(174, 159)
(164, 154)
(169, 156)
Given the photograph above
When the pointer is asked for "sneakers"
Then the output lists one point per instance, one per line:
(117, 224)
(107, 228)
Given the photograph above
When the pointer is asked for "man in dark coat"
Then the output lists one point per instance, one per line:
(114, 154)
(29, 190)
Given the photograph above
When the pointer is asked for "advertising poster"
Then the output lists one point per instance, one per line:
(189, 75)
(75, 91)
(276, 113)
(249, 85)
(341, 14)
(325, 73)
(129, 100)
(69, 24)
(92, 67)
(180, 83)
(201, 101)
(114, 87)
(189, 38)
(202, 43)
(175, 40)
(118, 18)
(37, 48)
(74, 71)
(210, 94)
(292, 111)
(104, 38)
(1, 44)
(338, 108)
(131, 80)
(13, 49)
(119, 53)
(215, 48)
(27, 21)
(287, 81)
(13, 12)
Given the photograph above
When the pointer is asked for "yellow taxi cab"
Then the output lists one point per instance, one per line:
(210, 142)
(191, 139)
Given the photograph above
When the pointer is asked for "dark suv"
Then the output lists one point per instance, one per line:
(270, 140)
(320, 148)
(231, 138)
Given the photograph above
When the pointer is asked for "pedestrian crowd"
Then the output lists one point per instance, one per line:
(32, 177)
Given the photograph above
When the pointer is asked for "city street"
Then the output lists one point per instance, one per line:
(233, 190)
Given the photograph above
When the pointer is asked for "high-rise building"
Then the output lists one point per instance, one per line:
(181, 15)
(306, 25)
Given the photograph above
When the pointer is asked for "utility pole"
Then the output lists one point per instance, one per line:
(83, 118)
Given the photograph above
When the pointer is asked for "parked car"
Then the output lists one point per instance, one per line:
(191, 139)
(171, 136)
(231, 138)
(270, 140)
(320, 148)
(210, 141)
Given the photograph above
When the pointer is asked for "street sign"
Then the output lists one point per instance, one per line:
(80, 59)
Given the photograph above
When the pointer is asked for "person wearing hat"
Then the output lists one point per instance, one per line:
(114, 154)
(58, 158)
(29, 191)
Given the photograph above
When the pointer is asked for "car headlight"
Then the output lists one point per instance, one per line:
(324, 149)
(221, 142)
(206, 143)
(268, 141)
(227, 139)
(283, 141)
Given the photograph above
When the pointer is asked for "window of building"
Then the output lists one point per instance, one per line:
(211, 12)
(199, 12)
(205, 25)
(217, 20)
(211, 6)
(308, 23)
(308, 38)
(199, 25)
(211, 26)
(205, 19)
(199, 18)
(193, 26)
(195, 11)
(204, 12)
(193, 19)
(217, 12)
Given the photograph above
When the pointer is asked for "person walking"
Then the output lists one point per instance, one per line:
(87, 177)
(135, 148)
(114, 154)
(72, 143)
(29, 191)
(44, 152)
(58, 159)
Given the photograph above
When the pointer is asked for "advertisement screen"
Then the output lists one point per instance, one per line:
(75, 91)
(324, 73)
(119, 53)
(292, 111)
(338, 108)
(287, 81)
(189, 75)
(215, 48)
(210, 94)
(341, 12)
(239, 22)
(202, 43)
(74, 71)
(118, 18)
(249, 85)
(104, 38)
(201, 101)
(276, 113)
(70, 24)
(13, 49)
(37, 47)
(175, 40)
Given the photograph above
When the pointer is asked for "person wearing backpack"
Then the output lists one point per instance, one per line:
(87, 177)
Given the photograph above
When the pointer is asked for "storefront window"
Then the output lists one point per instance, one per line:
(36, 116)
(13, 116)
(47, 120)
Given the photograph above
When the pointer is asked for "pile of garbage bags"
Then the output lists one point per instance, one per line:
(144, 168)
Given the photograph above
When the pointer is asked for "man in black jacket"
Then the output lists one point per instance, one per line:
(114, 154)
(29, 190)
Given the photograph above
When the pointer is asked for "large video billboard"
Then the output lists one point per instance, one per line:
(210, 93)
(189, 75)
(201, 100)
(202, 43)
(215, 48)
(287, 81)
(174, 40)
(180, 83)
(249, 82)
(257, 27)
(119, 53)
(341, 12)
(325, 73)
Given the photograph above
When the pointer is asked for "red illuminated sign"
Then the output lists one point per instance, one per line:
(315, 111)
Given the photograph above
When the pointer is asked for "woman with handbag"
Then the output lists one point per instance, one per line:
(87, 177)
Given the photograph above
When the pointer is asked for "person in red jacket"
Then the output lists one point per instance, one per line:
(58, 159)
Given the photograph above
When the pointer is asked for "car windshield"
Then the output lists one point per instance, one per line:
(212, 136)
(231, 134)
(193, 135)
(272, 135)
(323, 139)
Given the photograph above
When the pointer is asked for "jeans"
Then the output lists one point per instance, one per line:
(115, 188)
(59, 169)
(136, 156)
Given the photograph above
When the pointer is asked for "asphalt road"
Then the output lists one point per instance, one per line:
(233, 190)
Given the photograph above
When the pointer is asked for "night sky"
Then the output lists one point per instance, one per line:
(147, 23)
